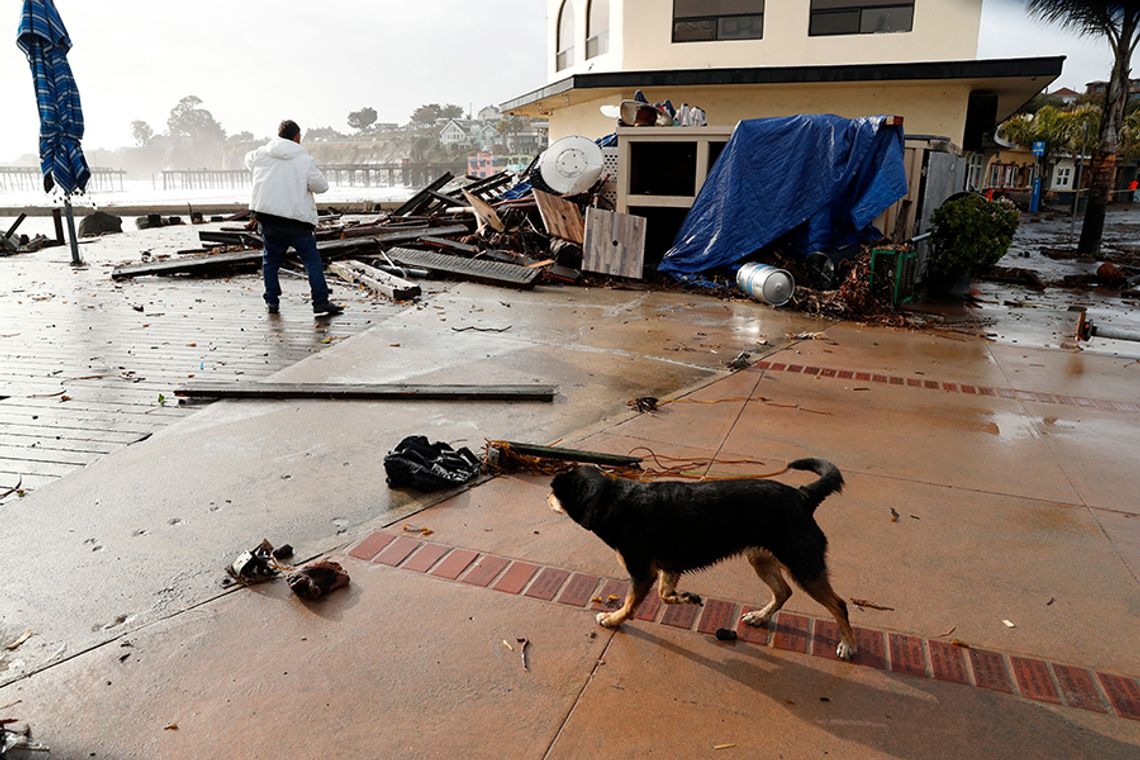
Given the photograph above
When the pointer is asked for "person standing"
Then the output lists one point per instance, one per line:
(285, 177)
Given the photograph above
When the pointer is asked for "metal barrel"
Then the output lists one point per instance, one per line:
(766, 283)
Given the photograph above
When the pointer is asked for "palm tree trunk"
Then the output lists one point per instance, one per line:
(1103, 169)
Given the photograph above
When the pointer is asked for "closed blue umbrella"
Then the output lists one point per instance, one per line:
(45, 41)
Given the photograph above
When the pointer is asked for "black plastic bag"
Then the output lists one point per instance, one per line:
(425, 466)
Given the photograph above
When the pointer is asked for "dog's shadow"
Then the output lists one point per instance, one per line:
(925, 718)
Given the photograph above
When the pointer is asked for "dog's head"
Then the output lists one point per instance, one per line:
(578, 494)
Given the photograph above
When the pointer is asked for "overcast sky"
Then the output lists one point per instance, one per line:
(254, 62)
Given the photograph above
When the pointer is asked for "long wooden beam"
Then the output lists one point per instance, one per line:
(371, 392)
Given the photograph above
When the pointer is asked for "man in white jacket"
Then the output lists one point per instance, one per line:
(284, 180)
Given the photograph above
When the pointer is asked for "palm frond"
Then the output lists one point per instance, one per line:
(1086, 17)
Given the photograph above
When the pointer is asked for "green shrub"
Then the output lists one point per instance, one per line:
(970, 235)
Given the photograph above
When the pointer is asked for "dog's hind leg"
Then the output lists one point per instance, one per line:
(821, 591)
(768, 569)
(667, 590)
(639, 587)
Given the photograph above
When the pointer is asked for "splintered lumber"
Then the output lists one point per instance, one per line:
(485, 213)
(229, 237)
(615, 244)
(15, 225)
(568, 455)
(476, 270)
(562, 218)
(331, 249)
(357, 272)
(367, 392)
(423, 197)
(450, 245)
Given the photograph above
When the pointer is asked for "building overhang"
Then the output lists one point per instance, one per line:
(1014, 80)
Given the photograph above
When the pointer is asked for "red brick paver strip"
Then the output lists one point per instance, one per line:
(990, 671)
(907, 654)
(516, 577)
(947, 662)
(486, 570)
(397, 551)
(680, 615)
(427, 556)
(948, 387)
(371, 546)
(753, 634)
(648, 608)
(1123, 693)
(791, 632)
(616, 589)
(547, 583)
(1079, 688)
(580, 590)
(1034, 679)
(716, 613)
(1030, 677)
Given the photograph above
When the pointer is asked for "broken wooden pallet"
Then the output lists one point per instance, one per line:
(491, 272)
(357, 272)
(615, 244)
(332, 249)
(370, 392)
(562, 218)
(423, 198)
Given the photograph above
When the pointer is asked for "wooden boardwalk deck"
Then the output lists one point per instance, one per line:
(83, 360)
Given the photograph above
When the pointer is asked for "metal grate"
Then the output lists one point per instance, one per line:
(610, 169)
(492, 272)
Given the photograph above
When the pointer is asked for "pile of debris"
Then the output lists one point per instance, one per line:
(485, 230)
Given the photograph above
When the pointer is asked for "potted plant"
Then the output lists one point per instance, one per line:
(970, 235)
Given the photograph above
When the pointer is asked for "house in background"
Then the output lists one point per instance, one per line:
(741, 59)
(1101, 88)
(1065, 95)
(465, 132)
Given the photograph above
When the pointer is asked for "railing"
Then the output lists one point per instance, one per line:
(339, 175)
(29, 178)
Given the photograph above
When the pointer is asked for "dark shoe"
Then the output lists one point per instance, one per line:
(328, 310)
(272, 308)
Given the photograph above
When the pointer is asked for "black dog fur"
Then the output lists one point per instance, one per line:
(664, 529)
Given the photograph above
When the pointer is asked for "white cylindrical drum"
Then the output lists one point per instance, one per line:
(766, 283)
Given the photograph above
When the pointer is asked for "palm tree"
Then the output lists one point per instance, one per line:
(1119, 21)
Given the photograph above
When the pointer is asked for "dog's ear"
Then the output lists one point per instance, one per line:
(583, 495)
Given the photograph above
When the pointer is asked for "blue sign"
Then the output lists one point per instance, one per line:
(1039, 148)
(1035, 200)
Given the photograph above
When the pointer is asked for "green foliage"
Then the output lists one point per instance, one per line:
(142, 132)
(188, 120)
(433, 112)
(362, 119)
(970, 235)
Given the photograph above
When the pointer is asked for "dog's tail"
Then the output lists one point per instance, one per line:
(830, 480)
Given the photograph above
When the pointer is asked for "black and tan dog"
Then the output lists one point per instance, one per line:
(663, 529)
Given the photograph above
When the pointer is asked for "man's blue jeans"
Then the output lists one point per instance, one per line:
(278, 240)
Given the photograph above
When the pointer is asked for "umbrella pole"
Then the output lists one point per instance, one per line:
(75, 260)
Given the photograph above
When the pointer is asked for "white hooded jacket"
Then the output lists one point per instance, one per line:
(284, 180)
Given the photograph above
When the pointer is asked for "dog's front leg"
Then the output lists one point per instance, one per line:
(638, 589)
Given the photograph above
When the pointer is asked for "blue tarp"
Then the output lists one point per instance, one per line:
(822, 178)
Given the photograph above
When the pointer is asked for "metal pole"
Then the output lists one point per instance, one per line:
(75, 260)
(1077, 182)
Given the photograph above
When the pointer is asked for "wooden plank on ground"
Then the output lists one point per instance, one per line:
(422, 198)
(376, 392)
(485, 213)
(332, 249)
(476, 270)
(569, 455)
(562, 218)
(357, 272)
(615, 244)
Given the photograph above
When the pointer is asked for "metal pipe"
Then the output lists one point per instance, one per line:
(75, 260)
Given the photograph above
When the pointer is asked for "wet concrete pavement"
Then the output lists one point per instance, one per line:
(1015, 504)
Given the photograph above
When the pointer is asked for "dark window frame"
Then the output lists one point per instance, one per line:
(715, 19)
(564, 55)
(871, 5)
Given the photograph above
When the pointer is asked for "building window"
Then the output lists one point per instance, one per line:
(565, 57)
(829, 17)
(597, 28)
(704, 20)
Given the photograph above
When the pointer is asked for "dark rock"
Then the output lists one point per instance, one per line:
(100, 223)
